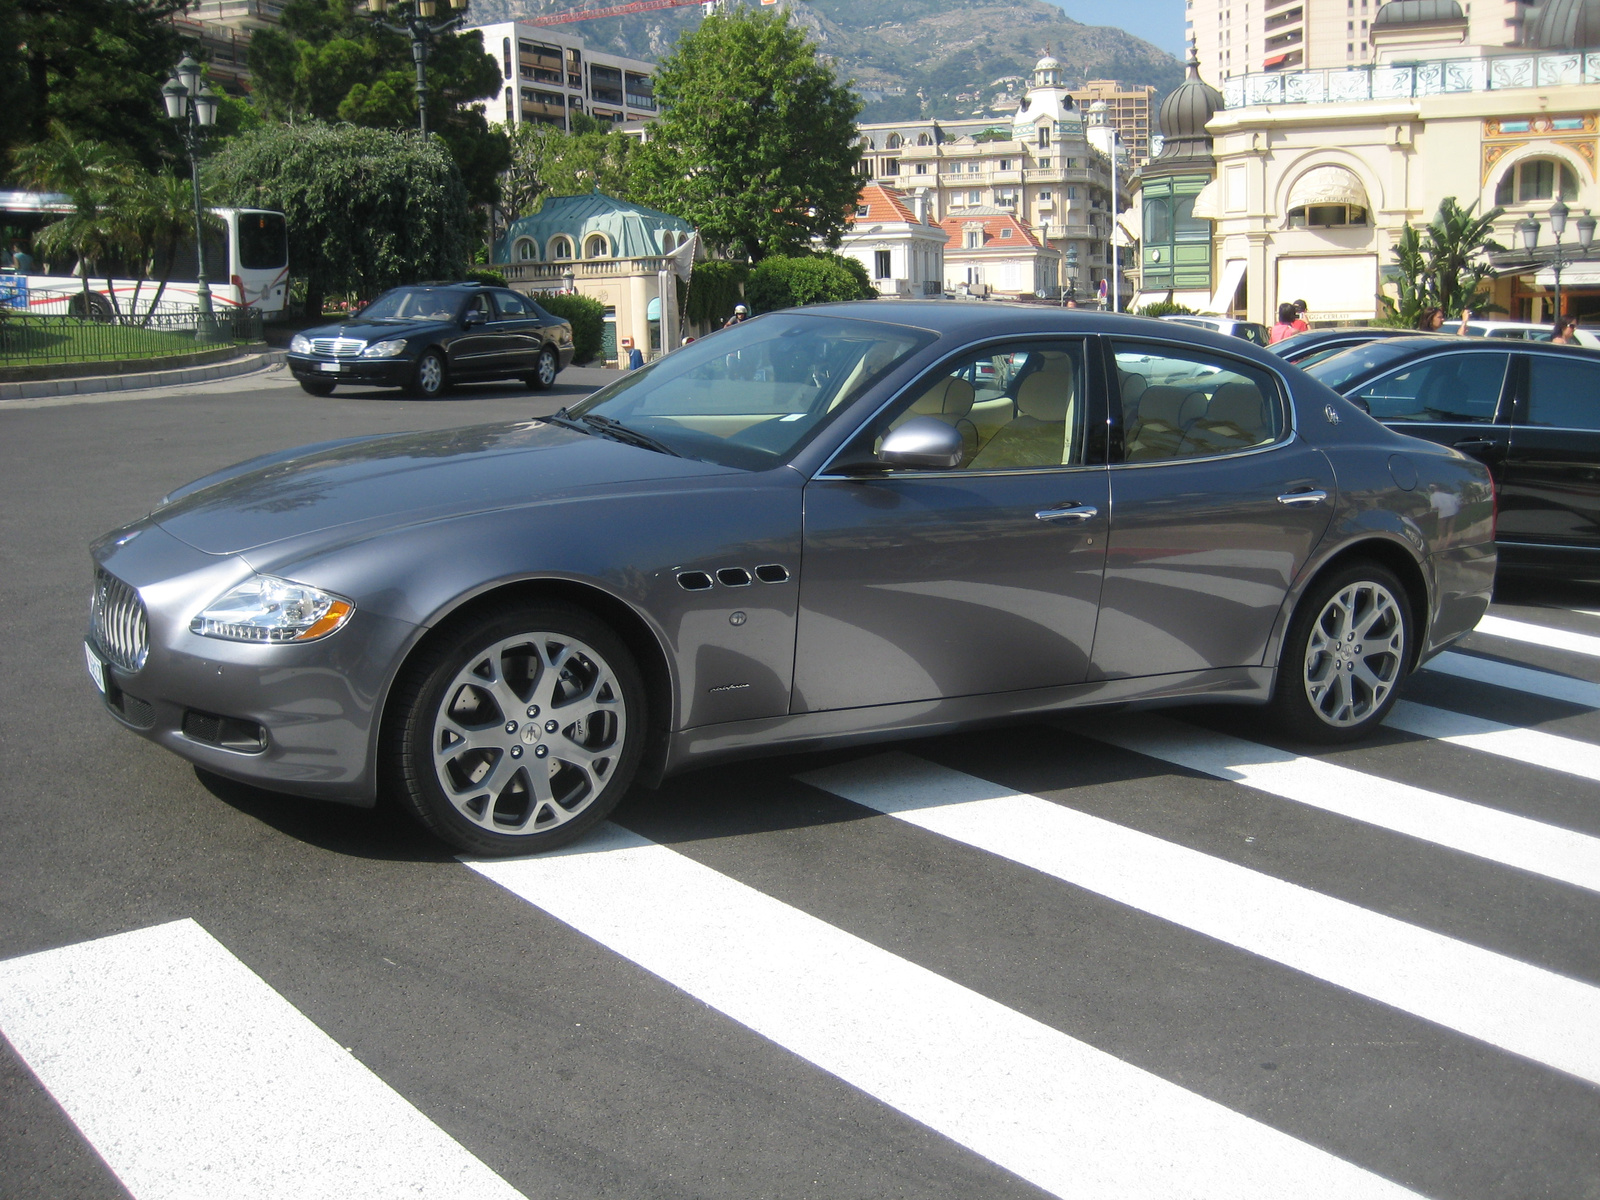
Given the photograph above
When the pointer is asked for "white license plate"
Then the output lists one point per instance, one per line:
(97, 669)
(329, 366)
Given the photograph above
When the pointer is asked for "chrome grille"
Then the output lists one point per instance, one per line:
(338, 347)
(117, 622)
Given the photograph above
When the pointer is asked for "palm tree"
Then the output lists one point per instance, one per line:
(161, 208)
(1442, 265)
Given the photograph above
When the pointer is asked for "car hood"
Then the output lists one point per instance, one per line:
(377, 331)
(402, 479)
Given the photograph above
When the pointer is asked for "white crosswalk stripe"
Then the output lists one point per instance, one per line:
(192, 1078)
(1516, 678)
(1477, 829)
(1509, 1004)
(1047, 1107)
(1531, 746)
(1540, 635)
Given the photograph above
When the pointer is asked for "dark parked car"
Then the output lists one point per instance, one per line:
(427, 337)
(821, 527)
(1529, 411)
(1313, 346)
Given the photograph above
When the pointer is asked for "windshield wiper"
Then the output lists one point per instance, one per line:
(621, 432)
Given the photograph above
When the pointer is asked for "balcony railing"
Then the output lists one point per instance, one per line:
(542, 273)
(1402, 82)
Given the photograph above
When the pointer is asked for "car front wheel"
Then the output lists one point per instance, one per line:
(544, 371)
(431, 378)
(520, 733)
(1345, 657)
(317, 387)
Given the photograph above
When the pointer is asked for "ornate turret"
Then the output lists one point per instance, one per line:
(1184, 113)
(1562, 25)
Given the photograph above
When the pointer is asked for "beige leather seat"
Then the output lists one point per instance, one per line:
(1040, 434)
(1164, 414)
(1235, 418)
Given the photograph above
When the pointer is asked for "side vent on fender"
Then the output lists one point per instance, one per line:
(733, 577)
(694, 581)
(773, 573)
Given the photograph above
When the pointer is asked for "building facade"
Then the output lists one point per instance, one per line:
(989, 252)
(1127, 109)
(598, 246)
(889, 234)
(548, 74)
(1039, 165)
(1318, 172)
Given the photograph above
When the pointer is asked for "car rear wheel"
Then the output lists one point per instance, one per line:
(1346, 655)
(519, 733)
(431, 378)
(544, 371)
(317, 387)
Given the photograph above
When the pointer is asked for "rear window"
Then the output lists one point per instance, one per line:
(263, 241)
(1339, 369)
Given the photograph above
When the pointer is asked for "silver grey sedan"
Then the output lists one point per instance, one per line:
(825, 526)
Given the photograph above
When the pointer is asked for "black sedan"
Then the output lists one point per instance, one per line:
(824, 526)
(427, 337)
(1314, 345)
(1529, 411)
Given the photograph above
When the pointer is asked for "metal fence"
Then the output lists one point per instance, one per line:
(28, 339)
(1403, 81)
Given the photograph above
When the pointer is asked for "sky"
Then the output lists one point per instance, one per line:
(1159, 22)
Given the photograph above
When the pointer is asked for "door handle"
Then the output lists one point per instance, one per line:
(1471, 444)
(1075, 514)
(1302, 499)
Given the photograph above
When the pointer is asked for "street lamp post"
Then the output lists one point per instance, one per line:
(414, 16)
(1529, 229)
(1071, 292)
(568, 281)
(192, 107)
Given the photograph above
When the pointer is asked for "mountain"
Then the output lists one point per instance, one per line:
(908, 58)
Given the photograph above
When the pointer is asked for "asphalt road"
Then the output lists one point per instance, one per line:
(1128, 956)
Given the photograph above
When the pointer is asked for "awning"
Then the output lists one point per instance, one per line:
(1144, 299)
(1132, 222)
(1578, 274)
(1208, 204)
(1222, 299)
(1123, 236)
(1327, 185)
(652, 310)
(1268, 64)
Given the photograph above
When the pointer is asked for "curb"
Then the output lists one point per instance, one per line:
(86, 385)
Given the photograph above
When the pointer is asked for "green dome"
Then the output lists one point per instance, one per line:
(631, 230)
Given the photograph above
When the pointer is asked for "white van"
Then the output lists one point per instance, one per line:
(1526, 331)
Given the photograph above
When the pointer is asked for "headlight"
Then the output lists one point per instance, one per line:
(267, 609)
(300, 344)
(385, 349)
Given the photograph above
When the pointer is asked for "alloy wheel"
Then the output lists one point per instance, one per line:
(1355, 653)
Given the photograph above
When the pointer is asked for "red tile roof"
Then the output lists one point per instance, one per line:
(883, 204)
(955, 227)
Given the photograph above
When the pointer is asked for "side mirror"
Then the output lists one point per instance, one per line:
(923, 442)
(474, 316)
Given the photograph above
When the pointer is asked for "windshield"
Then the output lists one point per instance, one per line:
(1354, 361)
(262, 243)
(752, 394)
(414, 304)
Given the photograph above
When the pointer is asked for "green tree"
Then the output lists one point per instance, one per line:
(367, 209)
(328, 61)
(548, 161)
(88, 173)
(756, 144)
(1443, 266)
(587, 316)
(779, 281)
(95, 67)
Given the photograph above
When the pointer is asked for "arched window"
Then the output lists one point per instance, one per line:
(1535, 179)
(866, 143)
(1325, 215)
(596, 246)
(924, 139)
(526, 251)
(560, 247)
(893, 143)
(1157, 221)
(668, 242)
(1044, 134)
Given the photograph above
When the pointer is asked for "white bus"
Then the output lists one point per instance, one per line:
(247, 266)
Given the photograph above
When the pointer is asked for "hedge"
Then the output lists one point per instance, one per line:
(779, 282)
(588, 319)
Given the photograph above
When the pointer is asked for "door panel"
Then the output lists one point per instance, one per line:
(1550, 493)
(478, 349)
(518, 326)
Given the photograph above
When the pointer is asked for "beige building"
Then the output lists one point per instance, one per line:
(1237, 37)
(547, 74)
(1317, 172)
(1127, 109)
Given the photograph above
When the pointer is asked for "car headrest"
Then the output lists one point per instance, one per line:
(950, 397)
(1163, 403)
(1046, 394)
(1133, 387)
(1238, 404)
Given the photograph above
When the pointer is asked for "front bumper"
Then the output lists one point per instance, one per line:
(317, 704)
(380, 372)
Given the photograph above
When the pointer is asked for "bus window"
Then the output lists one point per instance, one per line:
(262, 241)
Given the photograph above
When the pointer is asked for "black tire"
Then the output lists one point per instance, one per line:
(317, 387)
(92, 307)
(1348, 650)
(484, 696)
(544, 374)
(431, 379)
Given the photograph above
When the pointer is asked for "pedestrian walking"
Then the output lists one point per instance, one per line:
(21, 260)
(635, 356)
(1285, 326)
(1431, 320)
(1300, 324)
(1566, 331)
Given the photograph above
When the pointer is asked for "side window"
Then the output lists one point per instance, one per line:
(1454, 388)
(1017, 406)
(511, 306)
(479, 304)
(1179, 403)
(1563, 393)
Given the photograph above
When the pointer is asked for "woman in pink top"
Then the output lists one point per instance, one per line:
(1285, 326)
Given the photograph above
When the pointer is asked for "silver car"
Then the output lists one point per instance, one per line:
(825, 526)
